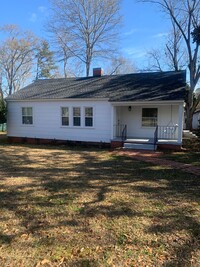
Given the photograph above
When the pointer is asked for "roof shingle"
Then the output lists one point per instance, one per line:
(152, 86)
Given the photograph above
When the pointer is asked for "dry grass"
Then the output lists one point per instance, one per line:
(186, 157)
(76, 207)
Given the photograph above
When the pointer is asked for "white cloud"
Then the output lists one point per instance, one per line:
(41, 9)
(135, 52)
(160, 35)
(33, 17)
(131, 32)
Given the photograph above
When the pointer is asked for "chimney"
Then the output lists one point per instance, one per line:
(97, 72)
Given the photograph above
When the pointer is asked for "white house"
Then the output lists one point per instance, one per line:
(196, 118)
(119, 109)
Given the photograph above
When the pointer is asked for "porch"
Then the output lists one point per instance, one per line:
(148, 126)
(164, 136)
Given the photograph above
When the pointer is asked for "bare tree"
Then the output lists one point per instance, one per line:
(16, 57)
(185, 16)
(87, 28)
(65, 56)
(1, 89)
(155, 57)
(173, 54)
(120, 65)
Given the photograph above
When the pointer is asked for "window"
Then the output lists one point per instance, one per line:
(149, 117)
(89, 117)
(27, 115)
(65, 116)
(77, 116)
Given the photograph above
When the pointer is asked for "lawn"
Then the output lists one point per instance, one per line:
(187, 157)
(88, 207)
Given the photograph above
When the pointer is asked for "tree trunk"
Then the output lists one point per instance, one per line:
(1, 91)
(189, 117)
(10, 89)
(87, 69)
(65, 68)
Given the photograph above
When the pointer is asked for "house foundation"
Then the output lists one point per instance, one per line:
(42, 141)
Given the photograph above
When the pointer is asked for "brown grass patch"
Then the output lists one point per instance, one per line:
(72, 207)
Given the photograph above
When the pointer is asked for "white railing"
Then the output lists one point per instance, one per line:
(167, 132)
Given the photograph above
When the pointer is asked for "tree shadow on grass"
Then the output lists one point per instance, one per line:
(5, 239)
(182, 250)
(180, 192)
(58, 180)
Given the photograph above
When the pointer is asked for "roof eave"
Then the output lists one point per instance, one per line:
(157, 102)
(56, 99)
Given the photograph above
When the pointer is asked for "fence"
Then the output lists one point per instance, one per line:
(3, 127)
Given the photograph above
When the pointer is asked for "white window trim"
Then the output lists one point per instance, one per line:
(27, 125)
(81, 116)
(71, 117)
(89, 127)
(65, 126)
(149, 127)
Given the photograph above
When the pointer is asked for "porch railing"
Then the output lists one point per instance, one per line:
(161, 132)
(167, 132)
(118, 129)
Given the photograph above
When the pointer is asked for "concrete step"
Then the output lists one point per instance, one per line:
(188, 134)
(138, 146)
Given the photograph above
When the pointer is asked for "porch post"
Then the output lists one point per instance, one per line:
(180, 122)
(112, 121)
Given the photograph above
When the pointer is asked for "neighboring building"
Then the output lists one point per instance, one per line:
(196, 115)
(101, 109)
(196, 118)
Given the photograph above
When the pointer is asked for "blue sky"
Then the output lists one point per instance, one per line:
(144, 27)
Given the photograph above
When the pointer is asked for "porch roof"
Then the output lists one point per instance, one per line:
(154, 86)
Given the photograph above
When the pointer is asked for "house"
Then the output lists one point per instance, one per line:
(132, 109)
(196, 118)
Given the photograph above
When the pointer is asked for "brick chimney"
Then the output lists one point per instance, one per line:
(97, 72)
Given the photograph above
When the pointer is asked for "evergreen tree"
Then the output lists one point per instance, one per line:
(45, 61)
(196, 35)
(2, 111)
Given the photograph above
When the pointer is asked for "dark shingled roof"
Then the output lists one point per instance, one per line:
(152, 86)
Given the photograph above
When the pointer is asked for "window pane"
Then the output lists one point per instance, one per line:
(88, 122)
(88, 112)
(65, 120)
(27, 120)
(77, 121)
(24, 111)
(149, 122)
(149, 112)
(89, 116)
(76, 112)
(149, 117)
(27, 111)
(27, 117)
(65, 112)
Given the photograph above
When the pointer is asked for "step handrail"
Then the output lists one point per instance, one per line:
(155, 137)
(124, 133)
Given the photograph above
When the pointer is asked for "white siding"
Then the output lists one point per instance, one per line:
(47, 121)
(133, 119)
(195, 121)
